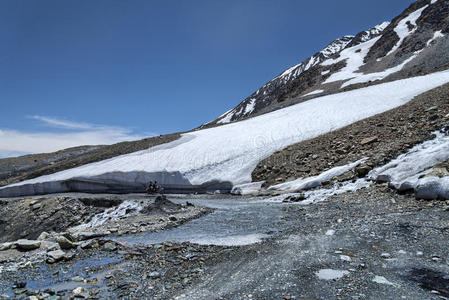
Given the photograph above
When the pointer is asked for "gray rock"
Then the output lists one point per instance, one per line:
(87, 235)
(28, 244)
(78, 291)
(109, 246)
(154, 275)
(77, 279)
(55, 256)
(64, 242)
(36, 206)
(88, 244)
(43, 236)
(49, 246)
(5, 246)
(362, 170)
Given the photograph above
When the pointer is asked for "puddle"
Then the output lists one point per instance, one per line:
(59, 278)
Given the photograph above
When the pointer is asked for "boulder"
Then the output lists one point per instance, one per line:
(28, 245)
(55, 256)
(5, 246)
(49, 246)
(362, 170)
(64, 242)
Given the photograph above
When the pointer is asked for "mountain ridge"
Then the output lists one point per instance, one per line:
(427, 24)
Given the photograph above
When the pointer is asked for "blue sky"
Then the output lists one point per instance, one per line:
(102, 71)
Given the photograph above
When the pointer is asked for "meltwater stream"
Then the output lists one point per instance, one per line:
(235, 221)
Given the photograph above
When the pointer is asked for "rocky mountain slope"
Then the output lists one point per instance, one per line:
(413, 43)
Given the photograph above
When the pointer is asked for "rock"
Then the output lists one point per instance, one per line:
(20, 284)
(383, 178)
(385, 255)
(438, 172)
(78, 291)
(36, 206)
(69, 256)
(77, 279)
(87, 235)
(172, 218)
(369, 140)
(55, 256)
(154, 275)
(88, 244)
(28, 245)
(49, 246)
(109, 246)
(362, 170)
(64, 242)
(33, 202)
(43, 236)
(5, 246)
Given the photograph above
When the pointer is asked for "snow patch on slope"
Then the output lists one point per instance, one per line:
(250, 106)
(438, 34)
(354, 57)
(361, 78)
(402, 29)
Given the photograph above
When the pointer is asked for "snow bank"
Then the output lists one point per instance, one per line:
(226, 155)
(404, 171)
(247, 188)
(407, 171)
(314, 181)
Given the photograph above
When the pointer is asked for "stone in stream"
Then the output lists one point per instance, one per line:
(88, 244)
(55, 256)
(28, 245)
(109, 246)
(78, 291)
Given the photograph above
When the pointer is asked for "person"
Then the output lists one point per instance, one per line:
(153, 188)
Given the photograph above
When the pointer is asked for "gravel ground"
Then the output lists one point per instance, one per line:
(386, 245)
(369, 244)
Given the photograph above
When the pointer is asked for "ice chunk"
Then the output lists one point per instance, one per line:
(330, 274)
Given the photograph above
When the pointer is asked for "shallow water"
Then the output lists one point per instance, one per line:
(235, 221)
